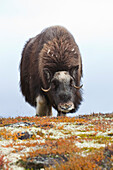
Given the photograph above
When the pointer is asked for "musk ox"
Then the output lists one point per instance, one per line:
(50, 72)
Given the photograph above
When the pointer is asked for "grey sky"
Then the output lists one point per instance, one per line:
(90, 22)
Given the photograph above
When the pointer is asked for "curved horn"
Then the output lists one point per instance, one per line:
(46, 90)
(77, 87)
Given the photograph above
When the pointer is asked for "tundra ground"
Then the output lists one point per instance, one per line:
(49, 143)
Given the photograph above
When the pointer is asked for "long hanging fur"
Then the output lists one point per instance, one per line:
(55, 49)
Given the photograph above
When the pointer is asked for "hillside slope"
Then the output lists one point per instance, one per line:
(81, 143)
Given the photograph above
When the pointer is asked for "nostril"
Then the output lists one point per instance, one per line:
(66, 106)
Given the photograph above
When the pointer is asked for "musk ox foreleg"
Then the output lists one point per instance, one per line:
(42, 107)
(61, 114)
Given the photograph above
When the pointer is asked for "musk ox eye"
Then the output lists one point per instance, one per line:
(71, 82)
(47, 74)
(54, 84)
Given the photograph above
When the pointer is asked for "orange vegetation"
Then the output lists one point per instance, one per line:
(62, 137)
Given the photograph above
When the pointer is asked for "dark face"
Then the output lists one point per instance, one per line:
(62, 89)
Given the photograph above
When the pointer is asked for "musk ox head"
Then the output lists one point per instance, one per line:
(62, 90)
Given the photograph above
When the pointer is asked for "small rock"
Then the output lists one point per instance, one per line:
(21, 124)
(24, 135)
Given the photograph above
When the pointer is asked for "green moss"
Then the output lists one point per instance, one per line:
(94, 136)
(87, 136)
(91, 149)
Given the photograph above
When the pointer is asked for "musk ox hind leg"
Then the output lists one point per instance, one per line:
(42, 107)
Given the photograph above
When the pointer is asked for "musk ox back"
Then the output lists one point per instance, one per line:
(50, 72)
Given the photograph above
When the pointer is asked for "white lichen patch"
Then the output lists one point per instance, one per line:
(89, 145)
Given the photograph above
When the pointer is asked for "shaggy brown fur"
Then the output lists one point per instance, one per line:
(55, 49)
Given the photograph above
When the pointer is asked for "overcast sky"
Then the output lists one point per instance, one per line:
(90, 22)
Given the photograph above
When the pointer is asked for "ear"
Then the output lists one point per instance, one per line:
(47, 74)
(73, 71)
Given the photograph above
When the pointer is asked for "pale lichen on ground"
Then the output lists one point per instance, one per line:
(40, 142)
